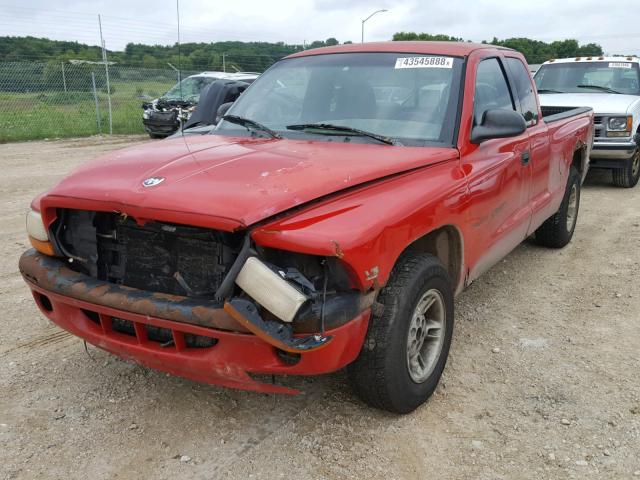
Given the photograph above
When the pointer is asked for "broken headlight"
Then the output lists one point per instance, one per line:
(291, 285)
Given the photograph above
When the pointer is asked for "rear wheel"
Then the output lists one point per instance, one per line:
(407, 345)
(627, 177)
(557, 230)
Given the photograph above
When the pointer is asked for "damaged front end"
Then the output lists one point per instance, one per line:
(285, 290)
(295, 303)
(164, 117)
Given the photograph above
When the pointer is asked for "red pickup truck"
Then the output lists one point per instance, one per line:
(327, 222)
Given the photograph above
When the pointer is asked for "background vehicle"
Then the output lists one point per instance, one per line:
(208, 112)
(329, 220)
(163, 116)
(533, 68)
(611, 86)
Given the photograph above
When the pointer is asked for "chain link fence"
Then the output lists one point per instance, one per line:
(69, 99)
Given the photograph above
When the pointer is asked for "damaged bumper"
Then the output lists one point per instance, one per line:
(159, 329)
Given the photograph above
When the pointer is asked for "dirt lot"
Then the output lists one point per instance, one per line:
(542, 382)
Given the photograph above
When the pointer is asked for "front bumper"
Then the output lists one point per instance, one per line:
(88, 308)
(613, 154)
(161, 123)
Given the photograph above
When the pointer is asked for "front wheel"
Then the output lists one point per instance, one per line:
(407, 345)
(627, 176)
(557, 230)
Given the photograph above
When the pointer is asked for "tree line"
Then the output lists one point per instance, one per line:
(247, 56)
(535, 51)
(36, 64)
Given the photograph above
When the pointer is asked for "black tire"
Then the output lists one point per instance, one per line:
(555, 231)
(628, 176)
(380, 375)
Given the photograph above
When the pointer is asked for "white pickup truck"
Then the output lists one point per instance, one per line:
(611, 86)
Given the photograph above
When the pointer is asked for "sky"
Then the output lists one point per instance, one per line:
(615, 26)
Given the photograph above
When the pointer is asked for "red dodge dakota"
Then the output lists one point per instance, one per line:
(327, 222)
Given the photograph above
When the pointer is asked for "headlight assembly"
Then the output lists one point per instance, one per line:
(619, 124)
(35, 227)
(38, 233)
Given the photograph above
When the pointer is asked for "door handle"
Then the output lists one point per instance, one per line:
(524, 158)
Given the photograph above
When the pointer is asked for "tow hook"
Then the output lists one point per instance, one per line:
(275, 333)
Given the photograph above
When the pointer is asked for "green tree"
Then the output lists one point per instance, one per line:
(535, 51)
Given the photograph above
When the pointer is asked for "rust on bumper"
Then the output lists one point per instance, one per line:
(52, 275)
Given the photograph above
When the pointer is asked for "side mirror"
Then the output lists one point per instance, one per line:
(498, 123)
(222, 111)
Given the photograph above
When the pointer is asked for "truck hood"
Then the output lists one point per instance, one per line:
(238, 181)
(602, 103)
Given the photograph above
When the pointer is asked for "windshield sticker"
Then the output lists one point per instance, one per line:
(424, 62)
(619, 65)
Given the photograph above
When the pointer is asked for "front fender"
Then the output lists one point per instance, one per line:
(368, 228)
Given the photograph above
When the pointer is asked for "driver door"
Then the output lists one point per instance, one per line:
(499, 175)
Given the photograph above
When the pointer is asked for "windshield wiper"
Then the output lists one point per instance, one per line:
(599, 87)
(341, 130)
(549, 90)
(251, 124)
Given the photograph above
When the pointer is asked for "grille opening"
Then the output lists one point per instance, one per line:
(161, 335)
(93, 316)
(45, 303)
(121, 325)
(199, 341)
(154, 256)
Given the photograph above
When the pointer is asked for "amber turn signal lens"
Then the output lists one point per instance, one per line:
(42, 247)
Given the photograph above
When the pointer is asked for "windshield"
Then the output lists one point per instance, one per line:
(589, 77)
(191, 88)
(402, 96)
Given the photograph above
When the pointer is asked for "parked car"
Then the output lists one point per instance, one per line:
(215, 99)
(327, 222)
(611, 86)
(163, 116)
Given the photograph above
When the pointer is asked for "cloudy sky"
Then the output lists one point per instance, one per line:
(616, 27)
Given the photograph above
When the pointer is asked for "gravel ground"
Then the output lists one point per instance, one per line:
(542, 381)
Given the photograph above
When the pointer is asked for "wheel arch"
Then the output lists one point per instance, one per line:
(580, 160)
(445, 243)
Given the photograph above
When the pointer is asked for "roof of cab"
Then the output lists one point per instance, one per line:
(455, 49)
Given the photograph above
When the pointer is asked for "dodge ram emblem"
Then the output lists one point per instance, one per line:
(152, 181)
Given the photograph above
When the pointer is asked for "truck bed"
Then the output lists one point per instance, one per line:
(553, 114)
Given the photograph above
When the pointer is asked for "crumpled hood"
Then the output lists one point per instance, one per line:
(602, 103)
(241, 180)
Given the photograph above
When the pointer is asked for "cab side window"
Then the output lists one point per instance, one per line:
(492, 89)
(524, 87)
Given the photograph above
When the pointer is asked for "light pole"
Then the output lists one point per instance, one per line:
(377, 11)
